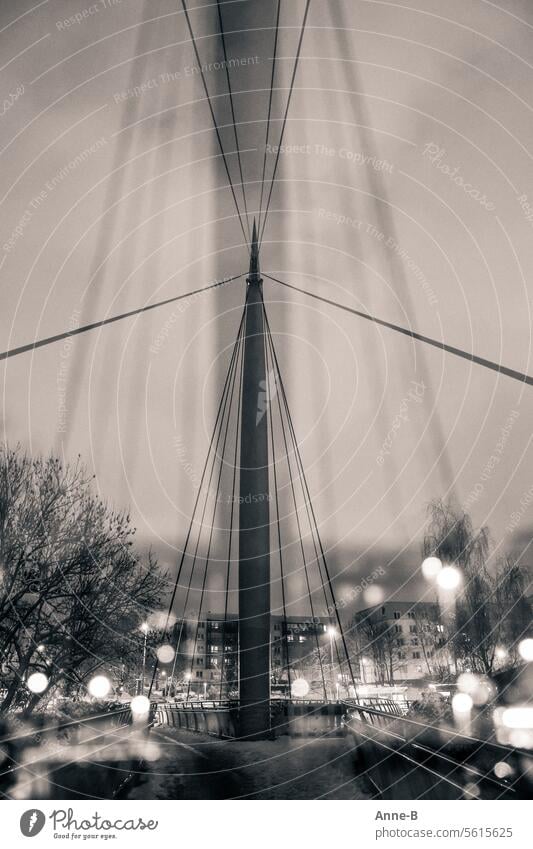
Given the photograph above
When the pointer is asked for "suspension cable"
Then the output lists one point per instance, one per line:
(276, 35)
(285, 636)
(76, 331)
(294, 70)
(216, 429)
(215, 124)
(233, 485)
(239, 160)
(313, 531)
(293, 492)
(201, 523)
(312, 526)
(304, 479)
(215, 505)
(443, 346)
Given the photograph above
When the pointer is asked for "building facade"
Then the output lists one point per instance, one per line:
(399, 642)
(211, 645)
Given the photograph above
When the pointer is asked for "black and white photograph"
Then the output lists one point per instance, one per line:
(266, 456)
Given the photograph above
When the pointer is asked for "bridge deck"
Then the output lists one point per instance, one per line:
(199, 766)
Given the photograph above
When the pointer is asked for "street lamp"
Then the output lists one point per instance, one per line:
(144, 629)
(332, 631)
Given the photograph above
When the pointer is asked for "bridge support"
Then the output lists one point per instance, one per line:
(254, 521)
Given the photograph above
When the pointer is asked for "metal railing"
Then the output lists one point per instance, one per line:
(210, 717)
(405, 758)
(42, 756)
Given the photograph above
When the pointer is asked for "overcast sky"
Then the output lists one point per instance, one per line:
(403, 191)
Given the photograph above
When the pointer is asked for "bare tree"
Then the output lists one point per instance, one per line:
(490, 609)
(379, 641)
(431, 640)
(73, 590)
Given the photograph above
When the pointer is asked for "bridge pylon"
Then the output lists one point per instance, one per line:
(254, 518)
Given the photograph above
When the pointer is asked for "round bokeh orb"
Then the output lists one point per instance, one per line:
(37, 682)
(299, 688)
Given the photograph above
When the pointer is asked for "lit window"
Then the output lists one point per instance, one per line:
(301, 639)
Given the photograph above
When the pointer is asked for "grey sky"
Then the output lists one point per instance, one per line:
(446, 247)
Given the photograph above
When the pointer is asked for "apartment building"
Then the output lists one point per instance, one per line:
(399, 642)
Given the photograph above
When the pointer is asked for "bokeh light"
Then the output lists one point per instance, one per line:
(161, 620)
(472, 789)
(518, 717)
(449, 578)
(165, 654)
(299, 688)
(480, 688)
(462, 703)
(99, 686)
(503, 770)
(140, 706)
(525, 647)
(37, 682)
(431, 567)
(373, 595)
